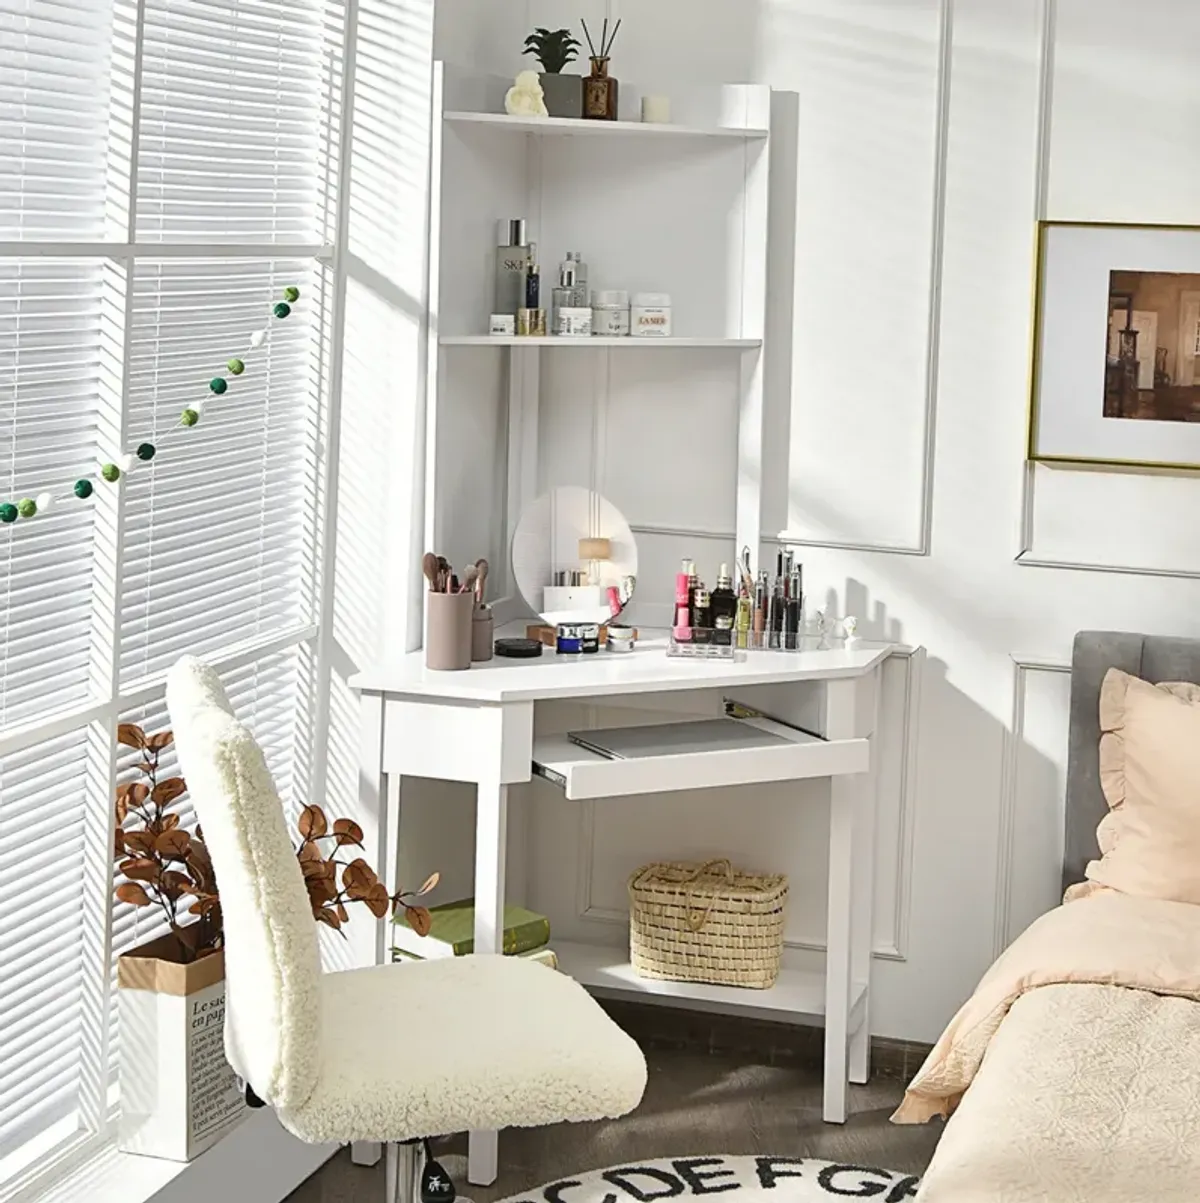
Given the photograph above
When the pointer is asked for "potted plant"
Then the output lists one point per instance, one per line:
(179, 1095)
(555, 49)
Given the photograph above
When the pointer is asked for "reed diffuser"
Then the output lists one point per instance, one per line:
(599, 88)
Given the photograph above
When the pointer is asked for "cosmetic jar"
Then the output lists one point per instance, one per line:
(531, 323)
(572, 322)
(518, 649)
(589, 637)
(610, 312)
(651, 315)
(620, 639)
(568, 640)
(503, 324)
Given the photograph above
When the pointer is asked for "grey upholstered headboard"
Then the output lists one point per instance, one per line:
(1154, 658)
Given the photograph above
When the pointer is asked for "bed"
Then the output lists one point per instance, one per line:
(1073, 1073)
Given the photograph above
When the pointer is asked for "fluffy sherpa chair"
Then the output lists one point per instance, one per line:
(390, 1053)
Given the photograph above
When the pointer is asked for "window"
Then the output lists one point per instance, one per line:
(167, 169)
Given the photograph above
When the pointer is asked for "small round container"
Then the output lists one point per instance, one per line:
(650, 315)
(568, 640)
(620, 639)
(610, 312)
(589, 635)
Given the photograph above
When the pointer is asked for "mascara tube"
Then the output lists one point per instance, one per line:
(778, 605)
(795, 609)
(761, 591)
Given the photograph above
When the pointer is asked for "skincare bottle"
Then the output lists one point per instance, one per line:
(762, 590)
(682, 625)
(533, 282)
(580, 299)
(563, 295)
(742, 620)
(724, 600)
(513, 256)
(702, 623)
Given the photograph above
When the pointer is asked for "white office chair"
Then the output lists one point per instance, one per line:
(391, 1053)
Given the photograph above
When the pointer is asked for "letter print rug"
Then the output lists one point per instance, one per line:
(735, 1179)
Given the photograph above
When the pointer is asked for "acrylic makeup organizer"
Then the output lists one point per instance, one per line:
(625, 194)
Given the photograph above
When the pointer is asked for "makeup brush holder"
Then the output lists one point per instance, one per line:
(483, 635)
(448, 626)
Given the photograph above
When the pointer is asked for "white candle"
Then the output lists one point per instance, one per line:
(656, 110)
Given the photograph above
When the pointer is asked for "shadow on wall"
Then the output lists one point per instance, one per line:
(969, 743)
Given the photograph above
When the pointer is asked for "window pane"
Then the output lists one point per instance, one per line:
(50, 360)
(217, 545)
(42, 801)
(233, 97)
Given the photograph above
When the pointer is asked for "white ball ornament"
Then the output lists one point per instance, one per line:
(257, 339)
(44, 502)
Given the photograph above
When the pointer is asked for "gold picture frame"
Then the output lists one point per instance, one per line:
(1044, 233)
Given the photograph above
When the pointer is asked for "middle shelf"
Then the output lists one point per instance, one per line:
(559, 340)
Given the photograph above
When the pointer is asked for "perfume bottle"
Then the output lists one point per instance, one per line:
(724, 600)
(513, 257)
(743, 618)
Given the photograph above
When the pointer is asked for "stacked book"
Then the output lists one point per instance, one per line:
(526, 934)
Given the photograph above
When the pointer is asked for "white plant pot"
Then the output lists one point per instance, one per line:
(179, 1095)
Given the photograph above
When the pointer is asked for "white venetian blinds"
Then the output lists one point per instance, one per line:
(166, 172)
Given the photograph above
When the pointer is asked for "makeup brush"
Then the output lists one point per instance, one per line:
(481, 581)
(429, 565)
(469, 578)
(445, 572)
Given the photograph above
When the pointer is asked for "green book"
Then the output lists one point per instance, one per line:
(453, 931)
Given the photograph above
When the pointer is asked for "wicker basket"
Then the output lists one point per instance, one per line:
(706, 923)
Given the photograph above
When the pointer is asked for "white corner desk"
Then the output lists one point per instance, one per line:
(478, 727)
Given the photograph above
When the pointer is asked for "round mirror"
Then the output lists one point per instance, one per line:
(574, 557)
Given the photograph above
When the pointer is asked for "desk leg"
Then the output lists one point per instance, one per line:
(491, 833)
(839, 724)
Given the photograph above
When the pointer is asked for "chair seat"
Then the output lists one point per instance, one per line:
(431, 1047)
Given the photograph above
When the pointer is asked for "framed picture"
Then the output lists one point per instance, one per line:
(1116, 359)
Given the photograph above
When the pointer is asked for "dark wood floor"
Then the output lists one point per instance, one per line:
(696, 1102)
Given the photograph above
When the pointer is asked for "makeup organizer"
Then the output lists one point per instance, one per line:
(662, 226)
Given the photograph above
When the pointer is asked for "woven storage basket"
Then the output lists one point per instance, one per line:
(706, 923)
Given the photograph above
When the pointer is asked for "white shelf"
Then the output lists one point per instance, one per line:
(583, 775)
(508, 340)
(796, 997)
(574, 126)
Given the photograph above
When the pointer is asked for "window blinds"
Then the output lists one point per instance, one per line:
(212, 123)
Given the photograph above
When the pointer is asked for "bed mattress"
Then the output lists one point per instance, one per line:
(1086, 1094)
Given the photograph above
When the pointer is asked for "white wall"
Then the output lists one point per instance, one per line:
(897, 424)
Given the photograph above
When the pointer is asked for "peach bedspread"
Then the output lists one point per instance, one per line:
(1105, 939)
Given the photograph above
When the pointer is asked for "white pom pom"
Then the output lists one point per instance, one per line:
(125, 461)
(44, 502)
(257, 339)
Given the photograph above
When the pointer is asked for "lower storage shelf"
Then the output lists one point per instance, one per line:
(797, 997)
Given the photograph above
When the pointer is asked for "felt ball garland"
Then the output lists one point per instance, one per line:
(112, 470)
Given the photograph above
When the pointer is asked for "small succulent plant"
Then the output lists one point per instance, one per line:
(553, 48)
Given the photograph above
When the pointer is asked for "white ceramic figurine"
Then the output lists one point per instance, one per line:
(526, 98)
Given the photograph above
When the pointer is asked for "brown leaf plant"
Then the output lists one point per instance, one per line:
(165, 865)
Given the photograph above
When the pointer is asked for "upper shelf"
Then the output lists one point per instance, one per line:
(577, 126)
(602, 340)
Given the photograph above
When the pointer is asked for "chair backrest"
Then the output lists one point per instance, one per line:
(272, 961)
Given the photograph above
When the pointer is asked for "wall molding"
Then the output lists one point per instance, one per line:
(933, 333)
(893, 949)
(1026, 556)
(1022, 668)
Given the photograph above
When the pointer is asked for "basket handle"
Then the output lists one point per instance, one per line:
(696, 919)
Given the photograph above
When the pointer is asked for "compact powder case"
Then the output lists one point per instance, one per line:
(518, 649)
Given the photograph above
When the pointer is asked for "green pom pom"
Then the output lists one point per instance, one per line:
(146, 452)
(8, 512)
(83, 488)
(189, 417)
(236, 367)
(218, 385)
(291, 294)
(110, 472)
(282, 309)
(27, 507)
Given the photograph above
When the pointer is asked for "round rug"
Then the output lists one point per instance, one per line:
(735, 1179)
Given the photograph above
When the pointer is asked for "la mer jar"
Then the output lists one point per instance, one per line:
(650, 315)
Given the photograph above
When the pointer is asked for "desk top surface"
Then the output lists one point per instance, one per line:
(647, 669)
